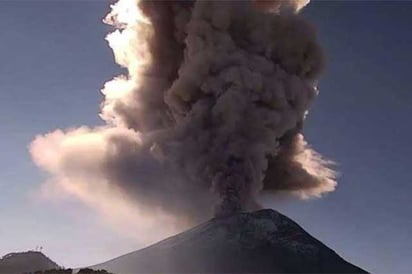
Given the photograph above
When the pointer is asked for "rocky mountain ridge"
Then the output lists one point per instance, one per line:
(25, 262)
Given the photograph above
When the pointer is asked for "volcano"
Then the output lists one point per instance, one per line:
(264, 241)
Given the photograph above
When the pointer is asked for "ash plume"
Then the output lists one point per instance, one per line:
(209, 114)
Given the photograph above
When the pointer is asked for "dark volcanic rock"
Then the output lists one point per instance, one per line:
(25, 262)
(264, 241)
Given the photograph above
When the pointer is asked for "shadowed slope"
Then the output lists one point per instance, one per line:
(24, 262)
(262, 241)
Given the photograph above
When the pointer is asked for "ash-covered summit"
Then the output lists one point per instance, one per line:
(264, 241)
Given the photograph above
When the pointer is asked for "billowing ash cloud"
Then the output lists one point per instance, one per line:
(209, 115)
(277, 6)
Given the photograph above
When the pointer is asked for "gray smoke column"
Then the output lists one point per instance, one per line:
(209, 115)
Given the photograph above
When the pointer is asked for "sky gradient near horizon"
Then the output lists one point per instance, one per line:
(55, 60)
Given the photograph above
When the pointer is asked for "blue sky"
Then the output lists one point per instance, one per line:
(55, 60)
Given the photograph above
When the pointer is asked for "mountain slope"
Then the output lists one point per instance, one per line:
(23, 262)
(262, 241)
